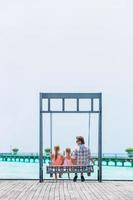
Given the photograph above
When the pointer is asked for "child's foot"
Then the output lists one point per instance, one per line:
(82, 178)
(75, 178)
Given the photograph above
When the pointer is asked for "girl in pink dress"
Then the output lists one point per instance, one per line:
(68, 159)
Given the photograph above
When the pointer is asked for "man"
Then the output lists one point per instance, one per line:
(81, 155)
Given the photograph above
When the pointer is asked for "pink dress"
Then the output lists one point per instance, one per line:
(67, 162)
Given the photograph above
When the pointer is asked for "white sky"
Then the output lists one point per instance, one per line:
(65, 46)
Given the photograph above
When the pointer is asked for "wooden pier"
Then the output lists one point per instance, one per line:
(65, 190)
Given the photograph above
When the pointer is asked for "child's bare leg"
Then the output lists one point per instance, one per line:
(60, 175)
(56, 176)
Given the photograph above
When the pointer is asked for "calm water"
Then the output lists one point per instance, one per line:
(18, 170)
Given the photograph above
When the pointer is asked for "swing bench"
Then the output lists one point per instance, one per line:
(60, 169)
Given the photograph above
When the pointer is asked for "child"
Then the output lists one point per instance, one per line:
(57, 158)
(68, 159)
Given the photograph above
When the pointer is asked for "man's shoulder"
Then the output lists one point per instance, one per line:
(76, 148)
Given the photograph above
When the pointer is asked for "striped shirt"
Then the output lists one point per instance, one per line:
(82, 155)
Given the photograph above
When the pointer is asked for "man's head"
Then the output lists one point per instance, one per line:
(80, 140)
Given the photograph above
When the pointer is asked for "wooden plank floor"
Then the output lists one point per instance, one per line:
(65, 190)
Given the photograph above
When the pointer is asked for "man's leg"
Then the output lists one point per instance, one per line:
(82, 177)
(75, 177)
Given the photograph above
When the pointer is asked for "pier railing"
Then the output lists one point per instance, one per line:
(107, 159)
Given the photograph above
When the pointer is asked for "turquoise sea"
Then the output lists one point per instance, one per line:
(16, 170)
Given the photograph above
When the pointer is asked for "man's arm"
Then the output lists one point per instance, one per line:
(74, 157)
